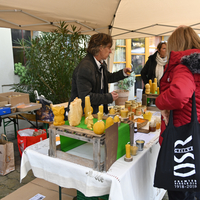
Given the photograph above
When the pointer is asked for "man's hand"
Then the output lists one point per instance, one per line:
(114, 95)
(127, 71)
(165, 114)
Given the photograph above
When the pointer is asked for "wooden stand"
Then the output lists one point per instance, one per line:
(150, 96)
(79, 134)
(109, 139)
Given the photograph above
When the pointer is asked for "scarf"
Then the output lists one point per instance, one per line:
(159, 67)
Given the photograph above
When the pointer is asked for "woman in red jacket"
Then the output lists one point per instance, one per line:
(180, 79)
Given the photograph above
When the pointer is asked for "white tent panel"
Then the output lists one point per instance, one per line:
(162, 16)
(45, 15)
(129, 18)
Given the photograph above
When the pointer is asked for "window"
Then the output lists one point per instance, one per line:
(137, 59)
(18, 53)
(118, 66)
(137, 63)
(17, 34)
(138, 45)
(153, 42)
(136, 51)
(120, 43)
(120, 55)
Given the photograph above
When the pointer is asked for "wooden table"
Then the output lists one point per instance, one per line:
(26, 115)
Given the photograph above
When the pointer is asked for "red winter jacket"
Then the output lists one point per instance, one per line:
(180, 79)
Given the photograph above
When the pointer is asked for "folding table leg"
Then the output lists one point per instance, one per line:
(15, 128)
(60, 193)
(4, 126)
(46, 126)
(7, 123)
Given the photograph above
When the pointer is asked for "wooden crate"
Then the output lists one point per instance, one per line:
(109, 140)
(139, 124)
(29, 107)
(144, 101)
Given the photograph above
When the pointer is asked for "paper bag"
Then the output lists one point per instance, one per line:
(7, 161)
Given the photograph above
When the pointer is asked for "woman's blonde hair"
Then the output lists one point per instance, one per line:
(183, 38)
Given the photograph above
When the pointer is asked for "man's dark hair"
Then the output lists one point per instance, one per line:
(96, 41)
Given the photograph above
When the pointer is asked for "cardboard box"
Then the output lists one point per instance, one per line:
(15, 98)
(51, 186)
(39, 186)
(3, 103)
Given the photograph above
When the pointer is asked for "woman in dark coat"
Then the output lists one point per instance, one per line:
(154, 66)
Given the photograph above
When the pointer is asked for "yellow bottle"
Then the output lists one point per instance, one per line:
(101, 109)
(87, 106)
(150, 83)
(153, 88)
(99, 116)
(158, 90)
(128, 150)
(155, 81)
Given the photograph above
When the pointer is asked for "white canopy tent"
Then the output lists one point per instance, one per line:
(123, 18)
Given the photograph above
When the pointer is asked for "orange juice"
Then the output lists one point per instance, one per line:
(157, 125)
(133, 109)
(57, 138)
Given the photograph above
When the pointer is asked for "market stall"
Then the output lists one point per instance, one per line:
(121, 180)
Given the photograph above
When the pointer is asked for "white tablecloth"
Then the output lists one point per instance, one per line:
(124, 180)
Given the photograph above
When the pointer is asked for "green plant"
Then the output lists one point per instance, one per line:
(127, 83)
(51, 59)
(25, 80)
(21, 71)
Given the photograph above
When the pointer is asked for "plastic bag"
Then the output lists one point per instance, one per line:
(45, 113)
(25, 138)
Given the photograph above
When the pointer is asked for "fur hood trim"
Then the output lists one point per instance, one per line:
(192, 62)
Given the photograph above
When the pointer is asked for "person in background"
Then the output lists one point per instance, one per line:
(180, 80)
(154, 66)
(91, 76)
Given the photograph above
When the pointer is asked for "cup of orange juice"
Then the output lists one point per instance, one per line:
(158, 122)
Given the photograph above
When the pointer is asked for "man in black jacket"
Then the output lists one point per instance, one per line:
(91, 76)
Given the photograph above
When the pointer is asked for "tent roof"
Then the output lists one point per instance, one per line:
(128, 18)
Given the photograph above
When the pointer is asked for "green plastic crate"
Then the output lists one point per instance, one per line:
(81, 196)
(67, 144)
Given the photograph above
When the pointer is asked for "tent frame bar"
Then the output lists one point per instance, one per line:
(110, 27)
(46, 22)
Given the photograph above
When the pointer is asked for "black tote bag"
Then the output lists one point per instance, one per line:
(178, 162)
